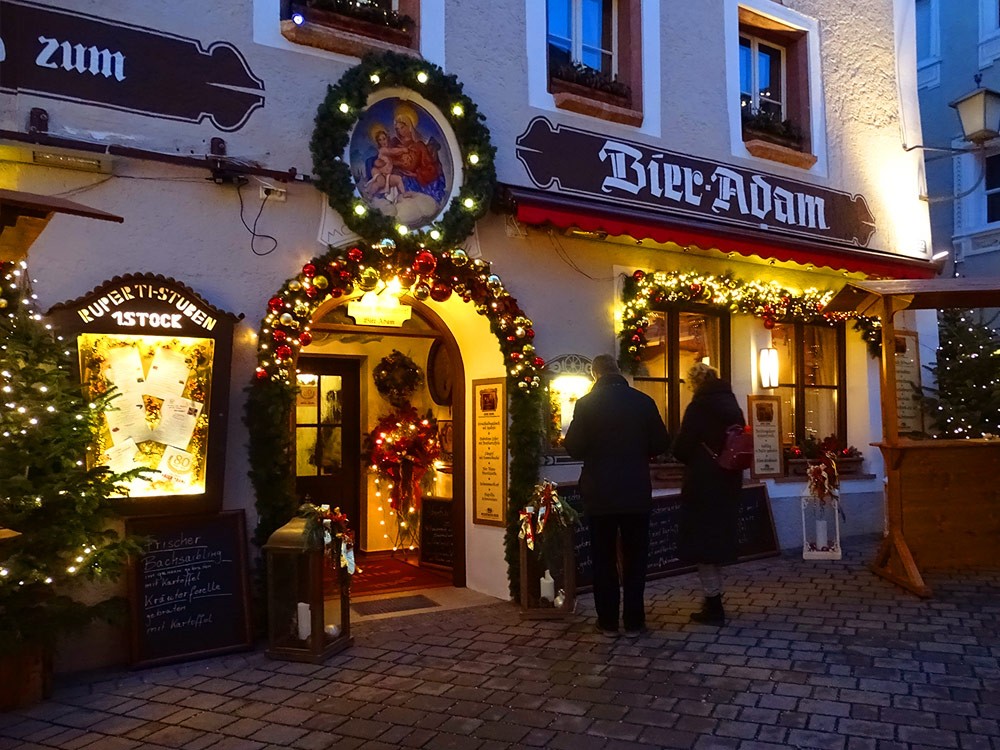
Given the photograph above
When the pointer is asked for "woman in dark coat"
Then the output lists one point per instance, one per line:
(709, 494)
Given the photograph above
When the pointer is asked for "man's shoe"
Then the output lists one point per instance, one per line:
(711, 612)
(636, 632)
(607, 632)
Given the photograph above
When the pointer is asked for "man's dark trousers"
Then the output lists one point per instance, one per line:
(604, 531)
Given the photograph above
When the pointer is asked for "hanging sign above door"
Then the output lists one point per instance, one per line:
(568, 160)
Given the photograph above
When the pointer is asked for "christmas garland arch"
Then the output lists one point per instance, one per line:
(425, 261)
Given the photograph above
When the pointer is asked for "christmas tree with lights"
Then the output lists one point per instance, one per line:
(56, 506)
(966, 401)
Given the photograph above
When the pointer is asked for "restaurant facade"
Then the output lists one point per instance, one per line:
(367, 253)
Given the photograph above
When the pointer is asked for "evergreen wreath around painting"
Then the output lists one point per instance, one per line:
(352, 194)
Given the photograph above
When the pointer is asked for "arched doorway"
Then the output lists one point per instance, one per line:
(337, 407)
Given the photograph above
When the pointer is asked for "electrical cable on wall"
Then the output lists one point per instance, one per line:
(254, 234)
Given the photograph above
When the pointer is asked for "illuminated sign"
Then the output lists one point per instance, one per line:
(372, 310)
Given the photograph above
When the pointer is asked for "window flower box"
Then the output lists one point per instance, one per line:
(345, 34)
(575, 97)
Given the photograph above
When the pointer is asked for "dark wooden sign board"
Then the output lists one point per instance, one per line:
(437, 538)
(189, 590)
(756, 533)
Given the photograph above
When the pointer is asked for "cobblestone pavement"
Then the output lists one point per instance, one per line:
(817, 655)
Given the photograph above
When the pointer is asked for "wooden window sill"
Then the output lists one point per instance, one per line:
(783, 154)
(341, 41)
(586, 105)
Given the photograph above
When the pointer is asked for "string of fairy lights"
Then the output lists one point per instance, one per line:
(768, 300)
(29, 406)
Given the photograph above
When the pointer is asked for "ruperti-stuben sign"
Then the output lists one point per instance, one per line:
(142, 305)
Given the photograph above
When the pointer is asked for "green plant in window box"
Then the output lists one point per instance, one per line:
(363, 10)
(767, 126)
(590, 78)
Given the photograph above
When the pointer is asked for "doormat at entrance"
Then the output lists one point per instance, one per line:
(400, 604)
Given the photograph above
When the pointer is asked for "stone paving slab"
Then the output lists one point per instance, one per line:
(816, 655)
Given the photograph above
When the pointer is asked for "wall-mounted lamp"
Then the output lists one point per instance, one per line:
(979, 112)
(767, 367)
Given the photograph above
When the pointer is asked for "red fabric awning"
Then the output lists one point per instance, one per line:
(539, 208)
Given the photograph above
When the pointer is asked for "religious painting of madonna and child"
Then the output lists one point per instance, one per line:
(401, 162)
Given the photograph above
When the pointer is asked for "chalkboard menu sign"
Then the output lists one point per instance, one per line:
(437, 539)
(756, 533)
(189, 588)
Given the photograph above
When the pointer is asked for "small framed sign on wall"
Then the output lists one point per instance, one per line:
(764, 416)
(489, 451)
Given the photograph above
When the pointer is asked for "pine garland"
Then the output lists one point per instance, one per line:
(643, 292)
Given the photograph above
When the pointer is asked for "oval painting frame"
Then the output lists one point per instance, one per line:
(440, 379)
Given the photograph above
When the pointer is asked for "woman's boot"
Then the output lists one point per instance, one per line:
(711, 612)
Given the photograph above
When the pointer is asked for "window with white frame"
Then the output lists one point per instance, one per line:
(928, 32)
(989, 32)
(762, 77)
(355, 27)
(593, 51)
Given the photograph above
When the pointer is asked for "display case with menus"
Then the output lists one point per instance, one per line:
(166, 353)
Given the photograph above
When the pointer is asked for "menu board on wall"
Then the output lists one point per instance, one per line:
(911, 416)
(189, 588)
(489, 452)
(764, 416)
(165, 353)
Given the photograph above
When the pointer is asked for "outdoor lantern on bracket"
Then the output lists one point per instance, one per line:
(979, 113)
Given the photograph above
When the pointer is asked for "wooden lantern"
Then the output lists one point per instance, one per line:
(301, 626)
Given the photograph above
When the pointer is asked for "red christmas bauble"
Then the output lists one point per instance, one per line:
(311, 292)
(283, 352)
(425, 263)
(275, 304)
(768, 322)
(639, 275)
(261, 374)
(440, 291)
(406, 277)
(356, 254)
(539, 362)
(696, 289)
(280, 336)
(309, 270)
(305, 338)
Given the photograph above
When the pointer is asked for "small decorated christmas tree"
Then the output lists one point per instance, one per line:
(966, 401)
(56, 507)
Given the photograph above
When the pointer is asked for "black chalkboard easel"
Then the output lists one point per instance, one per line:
(189, 589)
(756, 534)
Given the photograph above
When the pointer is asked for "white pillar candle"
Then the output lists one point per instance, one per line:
(547, 587)
(821, 536)
(305, 621)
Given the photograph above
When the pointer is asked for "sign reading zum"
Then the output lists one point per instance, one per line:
(575, 161)
(62, 54)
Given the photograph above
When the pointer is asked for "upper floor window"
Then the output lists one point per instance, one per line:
(594, 57)
(928, 43)
(762, 79)
(989, 32)
(774, 84)
(353, 27)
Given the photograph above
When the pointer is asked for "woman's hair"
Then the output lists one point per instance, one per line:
(700, 374)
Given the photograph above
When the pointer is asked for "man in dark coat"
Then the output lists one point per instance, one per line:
(615, 431)
(709, 494)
